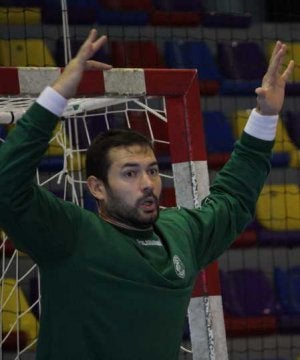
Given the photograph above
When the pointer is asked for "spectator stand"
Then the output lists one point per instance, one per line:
(242, 66)
(194, 55)
(249, 302)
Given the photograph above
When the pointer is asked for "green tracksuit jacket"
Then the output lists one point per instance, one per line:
(110, 293)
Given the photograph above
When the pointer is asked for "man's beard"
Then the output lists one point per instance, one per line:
(117, 209)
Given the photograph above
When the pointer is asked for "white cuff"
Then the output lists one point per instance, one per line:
(52, 101)
(262, 126)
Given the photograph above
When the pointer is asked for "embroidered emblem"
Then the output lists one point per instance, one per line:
(179, 266)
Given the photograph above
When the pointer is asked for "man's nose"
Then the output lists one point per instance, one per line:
(146, 181)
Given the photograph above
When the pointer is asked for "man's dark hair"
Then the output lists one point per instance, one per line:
(97, 160)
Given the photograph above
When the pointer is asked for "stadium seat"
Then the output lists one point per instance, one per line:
(246, 313)
(179, 5)
(239, 292)
(9, 248)
(128, 5)
(20, 3)
(175, 18)
(75, 162)
(55, 147)
(136, 54)
(28, 323)
(278, 215)
(20, 15)
(194, 55)
(177, 13)
(3, 132)
(21, 52)
(285, 153)
(168, 197)
(218, 137)
(14, 340)
(242, 65)
(248, 237)
(123, 18)
(80, 12)
(222, 19)
(287, 285)
(292, 124)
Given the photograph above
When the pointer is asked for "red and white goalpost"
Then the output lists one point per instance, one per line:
(165, 105)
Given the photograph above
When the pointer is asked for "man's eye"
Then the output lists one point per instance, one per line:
(130, 174)
(154, 171)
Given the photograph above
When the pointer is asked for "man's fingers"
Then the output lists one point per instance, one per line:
(91, 45)
(99, 42)
(260, 91)
(276, 61)
(96, 65)
(92, 35)
(276, 49)
(288, 71)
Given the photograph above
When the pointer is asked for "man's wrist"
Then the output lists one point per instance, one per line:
(261, 126)
(51, 100)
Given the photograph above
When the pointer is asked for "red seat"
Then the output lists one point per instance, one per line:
(175, 18)
(136, 54)
(252, 325)
(128, 5)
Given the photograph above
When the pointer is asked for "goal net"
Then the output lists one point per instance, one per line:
(163, 105)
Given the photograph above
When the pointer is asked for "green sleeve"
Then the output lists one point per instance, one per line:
(230, 206)
(34, 219)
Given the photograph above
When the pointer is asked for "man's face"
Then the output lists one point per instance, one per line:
(134, 186)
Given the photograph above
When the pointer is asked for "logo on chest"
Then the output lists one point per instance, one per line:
(179, 266)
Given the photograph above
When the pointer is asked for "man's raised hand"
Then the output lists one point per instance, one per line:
(270, 95)
(67, 83)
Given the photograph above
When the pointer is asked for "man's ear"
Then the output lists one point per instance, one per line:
(96, 187)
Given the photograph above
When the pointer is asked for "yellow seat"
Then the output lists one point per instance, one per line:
(25, 52)
(14, 302)
(283, 142)
(20, 15)
(278, 207)
(293, 52)
(55, 145)
(75, 162)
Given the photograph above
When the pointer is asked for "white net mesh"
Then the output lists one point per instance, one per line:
(62, 172)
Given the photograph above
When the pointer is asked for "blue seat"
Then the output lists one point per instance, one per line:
(125, 18)
(287, 285)
(90, 202)
(80, 12)
(224, 19)
(218, 137)
(21, 3)
(128, 5)
(275, 238)
(3, 132)
(194, 55)
(242, 64)
(292, 124)
(240, 289)
(218, 132)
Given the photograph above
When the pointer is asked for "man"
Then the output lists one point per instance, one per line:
(117, 285)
